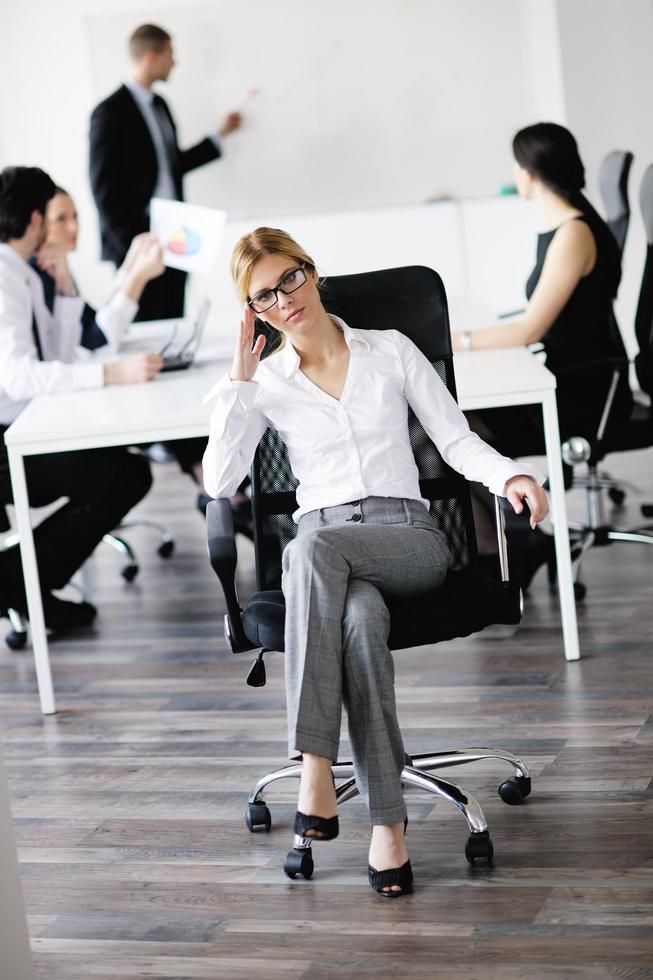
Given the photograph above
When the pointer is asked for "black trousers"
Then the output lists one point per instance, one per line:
(163, 298)
(102, 485)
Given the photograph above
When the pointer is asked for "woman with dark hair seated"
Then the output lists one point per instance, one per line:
(570, 294)
(339, 399)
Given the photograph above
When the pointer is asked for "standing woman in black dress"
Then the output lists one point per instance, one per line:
(570, 294)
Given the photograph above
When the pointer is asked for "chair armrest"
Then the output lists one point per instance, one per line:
(513, 531)
(223, 556)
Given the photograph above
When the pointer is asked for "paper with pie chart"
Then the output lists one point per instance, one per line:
(190, 236)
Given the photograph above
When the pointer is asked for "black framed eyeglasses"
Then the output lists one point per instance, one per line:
(269, 297)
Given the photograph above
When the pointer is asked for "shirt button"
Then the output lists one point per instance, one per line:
(356, 517)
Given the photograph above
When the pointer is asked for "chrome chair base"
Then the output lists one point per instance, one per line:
(595, 531)
(130, 569)
(416, 775)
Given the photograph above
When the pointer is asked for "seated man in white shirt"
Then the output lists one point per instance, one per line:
(37, 349)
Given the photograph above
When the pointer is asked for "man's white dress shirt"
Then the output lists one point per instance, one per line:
(353, 447)
(23, 375)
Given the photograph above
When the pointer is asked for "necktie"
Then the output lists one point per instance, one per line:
(167, 132)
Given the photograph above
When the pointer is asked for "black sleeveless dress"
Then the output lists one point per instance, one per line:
(585, 330)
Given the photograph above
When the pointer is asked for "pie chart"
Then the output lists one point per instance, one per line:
(184, 241)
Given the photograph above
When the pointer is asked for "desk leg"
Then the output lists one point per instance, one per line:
(32, 584)
(560, 529)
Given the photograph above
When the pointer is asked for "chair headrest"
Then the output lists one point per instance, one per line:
(613, 181)
(646, 202)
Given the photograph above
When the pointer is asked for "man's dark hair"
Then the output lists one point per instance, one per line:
(147, 37)
(22, 191)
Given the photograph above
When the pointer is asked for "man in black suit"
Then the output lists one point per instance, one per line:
(134, 157)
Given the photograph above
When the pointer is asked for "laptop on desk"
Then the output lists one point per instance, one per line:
(178, 360)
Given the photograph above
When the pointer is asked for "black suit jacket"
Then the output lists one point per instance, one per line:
(124, 170)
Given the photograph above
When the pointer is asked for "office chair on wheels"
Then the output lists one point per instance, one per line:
(611, 436)
(411, 299)
(614, 174)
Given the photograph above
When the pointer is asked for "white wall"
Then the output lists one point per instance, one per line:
(462, 78)
(587, 64)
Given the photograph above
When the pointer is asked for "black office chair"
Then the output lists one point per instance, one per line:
(613, 184)
(413, 300)
(616, 437)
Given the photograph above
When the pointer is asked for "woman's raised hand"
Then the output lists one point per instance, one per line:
(247, 354)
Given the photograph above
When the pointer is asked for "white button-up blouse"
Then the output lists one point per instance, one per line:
(353, 447)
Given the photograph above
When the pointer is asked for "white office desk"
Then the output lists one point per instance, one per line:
(513, 376)
(170, 408)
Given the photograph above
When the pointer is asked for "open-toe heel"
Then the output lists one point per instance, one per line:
(380, 880)
(324, 828)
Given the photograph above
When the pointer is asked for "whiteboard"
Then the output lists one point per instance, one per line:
(361, 103)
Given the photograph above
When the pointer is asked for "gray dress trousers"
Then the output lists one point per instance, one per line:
(337, 573)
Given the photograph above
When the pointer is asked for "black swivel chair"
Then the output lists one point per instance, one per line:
(635, 433)
(413, 300)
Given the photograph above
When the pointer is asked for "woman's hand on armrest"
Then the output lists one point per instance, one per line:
(247, 354)
(519, 488)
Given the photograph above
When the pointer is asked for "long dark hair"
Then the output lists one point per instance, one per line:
(549, 152)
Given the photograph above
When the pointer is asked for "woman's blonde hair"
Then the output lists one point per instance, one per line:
(256, 244)
(247, 252)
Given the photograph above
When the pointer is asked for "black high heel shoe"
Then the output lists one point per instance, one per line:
(403, 877)
(380, 880)
(327, 828)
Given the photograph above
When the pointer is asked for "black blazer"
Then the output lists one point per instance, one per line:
(124, 171)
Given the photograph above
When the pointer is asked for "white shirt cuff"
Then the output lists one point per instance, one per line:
(87, 375)
(507, 470)
(245, 390)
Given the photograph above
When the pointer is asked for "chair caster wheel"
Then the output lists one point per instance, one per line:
(647, 510)
(15, 641)
(129, 572)
(479, 847)
(617, 496)
(580, 591)
(166, 548)
(299, 861)
(257, 816)
(515, 789)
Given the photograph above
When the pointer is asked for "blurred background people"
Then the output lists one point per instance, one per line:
(134, 156)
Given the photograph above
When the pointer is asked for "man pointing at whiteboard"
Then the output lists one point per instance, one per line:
(134, 156)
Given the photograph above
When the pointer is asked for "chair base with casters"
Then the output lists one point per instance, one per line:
(416, 774)
(595, 531)
(131, 567)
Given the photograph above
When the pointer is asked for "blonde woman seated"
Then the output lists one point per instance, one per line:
(365, 534)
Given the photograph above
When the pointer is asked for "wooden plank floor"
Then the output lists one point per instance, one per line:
(129, 802)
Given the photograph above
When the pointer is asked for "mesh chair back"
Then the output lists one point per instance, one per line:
(644, 314)
(613, 182)
(410, 299)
